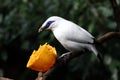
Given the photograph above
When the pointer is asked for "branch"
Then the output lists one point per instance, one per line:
(108, 36)
(65, 58)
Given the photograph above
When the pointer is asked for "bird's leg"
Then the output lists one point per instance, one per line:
(64, 57)
(65, 54)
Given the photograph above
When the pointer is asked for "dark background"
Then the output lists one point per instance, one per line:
(19, 24)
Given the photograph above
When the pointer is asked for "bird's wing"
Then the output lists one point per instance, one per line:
(78, 34)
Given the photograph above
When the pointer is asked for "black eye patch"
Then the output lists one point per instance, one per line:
(48, 24)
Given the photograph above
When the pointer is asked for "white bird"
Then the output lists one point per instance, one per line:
(70, 35)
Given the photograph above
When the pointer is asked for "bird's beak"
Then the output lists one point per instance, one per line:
(40, 29)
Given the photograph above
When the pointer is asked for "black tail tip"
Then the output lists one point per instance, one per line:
(100, 58)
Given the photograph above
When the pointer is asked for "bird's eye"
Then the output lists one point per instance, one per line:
(48, 24)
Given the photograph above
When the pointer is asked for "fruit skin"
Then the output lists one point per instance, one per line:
(42, 59)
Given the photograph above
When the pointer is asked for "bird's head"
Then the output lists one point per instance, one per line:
(49, 23)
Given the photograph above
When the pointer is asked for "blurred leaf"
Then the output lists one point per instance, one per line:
(112, 25)
(25, 45)
(91, 27)
(105, 11)
(4, 56)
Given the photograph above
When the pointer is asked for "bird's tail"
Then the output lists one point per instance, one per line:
(94, 50)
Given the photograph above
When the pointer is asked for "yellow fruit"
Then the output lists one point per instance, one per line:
(42, 59)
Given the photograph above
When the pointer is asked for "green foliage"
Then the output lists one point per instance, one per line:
(19, 24)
